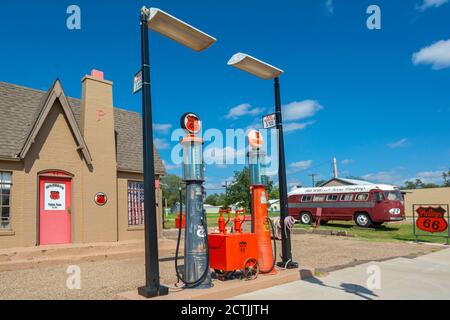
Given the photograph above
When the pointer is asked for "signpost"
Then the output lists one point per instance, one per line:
(433, 220)
(270, 121)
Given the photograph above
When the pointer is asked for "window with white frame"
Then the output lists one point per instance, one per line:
(135, 203)
(5, 196)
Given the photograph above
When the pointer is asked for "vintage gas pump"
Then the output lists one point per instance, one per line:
(262, 225)
(196, 251)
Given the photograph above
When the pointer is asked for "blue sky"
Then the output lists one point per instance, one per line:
(378, 100)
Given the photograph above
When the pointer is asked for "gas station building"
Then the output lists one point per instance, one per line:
(71, 170)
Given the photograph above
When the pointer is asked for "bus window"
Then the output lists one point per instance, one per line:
(362, 197)
(347, 197)
(332, 197)
(306, 198)
(393, 195)
(378, 196)
(319, 198)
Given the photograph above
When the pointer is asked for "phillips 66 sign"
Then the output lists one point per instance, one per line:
(431, 220)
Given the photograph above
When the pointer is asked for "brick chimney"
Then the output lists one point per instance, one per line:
(97, 127)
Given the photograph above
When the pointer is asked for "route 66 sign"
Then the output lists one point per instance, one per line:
(431, 219)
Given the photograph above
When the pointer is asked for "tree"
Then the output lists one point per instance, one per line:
(239, 189)
(216, 199)
(275, 193)
(446, 177)
(170, 184)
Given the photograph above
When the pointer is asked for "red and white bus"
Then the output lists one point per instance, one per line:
(367, 205)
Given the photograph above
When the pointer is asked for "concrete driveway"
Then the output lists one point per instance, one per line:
(422, 278)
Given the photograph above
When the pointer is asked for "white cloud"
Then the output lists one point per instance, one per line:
(399, 144)
(300, 110)
(347, 161)
(243, 110)
(223, 156)
(389, 177)
(163, 128)
(171, 167)
(330, 6)
(301, 165)
(437, 54)
(428, 177)
(161, 144)
(294, 126)
(430, 3)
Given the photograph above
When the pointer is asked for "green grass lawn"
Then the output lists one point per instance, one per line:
(402, 231)
(212, 219)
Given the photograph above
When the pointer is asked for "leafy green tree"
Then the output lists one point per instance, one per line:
(446, 177)
(170, 184)
(216, 199)
(275, 193)
(239, 190)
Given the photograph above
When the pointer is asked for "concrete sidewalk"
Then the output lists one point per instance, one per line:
(423, 278)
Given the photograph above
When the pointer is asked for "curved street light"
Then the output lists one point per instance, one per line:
(266, 71)
(197, 40)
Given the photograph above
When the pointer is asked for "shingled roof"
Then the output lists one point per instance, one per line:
(20, 107)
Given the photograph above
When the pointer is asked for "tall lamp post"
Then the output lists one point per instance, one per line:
(266, 71)
(185, 34)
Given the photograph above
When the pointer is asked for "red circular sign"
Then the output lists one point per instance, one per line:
(255, 139)
(191, 123)
(101, 199)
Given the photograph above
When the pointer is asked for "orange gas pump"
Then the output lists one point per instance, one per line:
(262, 225)
(262, 228)
(230, 252)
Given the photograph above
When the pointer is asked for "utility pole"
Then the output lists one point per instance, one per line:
(226, 191)
(313, 177)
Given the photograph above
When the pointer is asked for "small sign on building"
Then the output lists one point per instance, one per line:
(137, 86)
(270, 121)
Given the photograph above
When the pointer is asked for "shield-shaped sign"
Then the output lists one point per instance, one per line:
(431, 219)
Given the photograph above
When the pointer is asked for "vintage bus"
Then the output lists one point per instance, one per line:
(367, 205)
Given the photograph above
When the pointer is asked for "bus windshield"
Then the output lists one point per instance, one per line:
(393, 195)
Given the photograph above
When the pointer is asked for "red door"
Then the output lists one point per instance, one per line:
(54, 204)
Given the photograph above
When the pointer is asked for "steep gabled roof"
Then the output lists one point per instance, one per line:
(55, 93)
(21, 109)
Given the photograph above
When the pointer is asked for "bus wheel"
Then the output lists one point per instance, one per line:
(305, 218)
(363, 220)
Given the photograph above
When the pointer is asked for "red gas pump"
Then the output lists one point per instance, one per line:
(230, 252)
(262, 225)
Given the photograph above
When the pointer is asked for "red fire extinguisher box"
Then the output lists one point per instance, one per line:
(177, 222)
(230, 252)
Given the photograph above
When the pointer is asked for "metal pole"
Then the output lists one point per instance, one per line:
(286, 251)
(313, 177)
(152, 286)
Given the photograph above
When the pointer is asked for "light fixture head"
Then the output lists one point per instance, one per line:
(178, 30)
(254, 66)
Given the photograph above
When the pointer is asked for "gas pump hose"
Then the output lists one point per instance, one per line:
(274, 247)
(191, 284)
